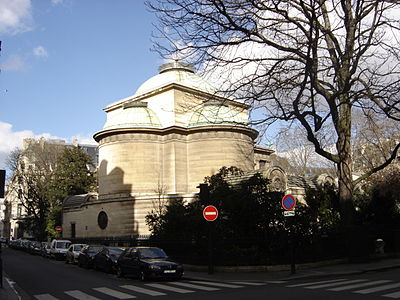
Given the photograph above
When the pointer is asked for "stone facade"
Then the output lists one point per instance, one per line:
(159, 144)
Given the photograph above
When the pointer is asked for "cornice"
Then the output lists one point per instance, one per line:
(176, 86)
(176, 129)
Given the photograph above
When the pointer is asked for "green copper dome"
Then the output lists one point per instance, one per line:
(135, 114)
(217, 114)
(176, 73)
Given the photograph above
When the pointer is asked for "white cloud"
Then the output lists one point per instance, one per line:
(56, 2)
(13, 63)
(14, 139)
(86, 140)
(15, 16)
(40, 51)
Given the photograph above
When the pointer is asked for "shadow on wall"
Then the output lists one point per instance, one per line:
(112, 187)
(112, 182)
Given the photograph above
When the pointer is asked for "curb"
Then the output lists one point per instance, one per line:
(9, 292)
(271, 268)
(289, 277)
(285, 267)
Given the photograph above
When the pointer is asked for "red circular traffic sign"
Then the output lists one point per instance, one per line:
(288, 202)
(210, 213)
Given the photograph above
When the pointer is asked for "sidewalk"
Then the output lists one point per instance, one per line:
(8, 292)
(316, 270)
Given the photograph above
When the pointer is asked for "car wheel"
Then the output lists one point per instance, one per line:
(119, 272)
(142, 276)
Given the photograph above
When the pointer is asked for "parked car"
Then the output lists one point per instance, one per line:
(24, 245)
(148, 263)
(45, 249)
(34, 247)
(106, 259)
(85, 257)
(73, 253)
(14, 244)
(58, 248)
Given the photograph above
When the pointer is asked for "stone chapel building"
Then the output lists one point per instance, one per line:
(159, 144)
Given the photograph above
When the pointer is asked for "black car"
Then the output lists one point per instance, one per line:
(106, 259)
(85, 257)
(34, 247)
(148, 263)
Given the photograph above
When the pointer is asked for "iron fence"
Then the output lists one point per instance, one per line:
(358, 244)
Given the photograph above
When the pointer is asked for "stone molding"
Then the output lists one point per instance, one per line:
(128, 134)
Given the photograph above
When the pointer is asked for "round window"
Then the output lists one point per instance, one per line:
(102, 220)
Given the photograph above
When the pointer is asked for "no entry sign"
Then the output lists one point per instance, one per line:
(210, 213)
(288, 202)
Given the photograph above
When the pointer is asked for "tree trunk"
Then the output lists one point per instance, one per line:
(345, 163)
(353, 235)
(346, 190)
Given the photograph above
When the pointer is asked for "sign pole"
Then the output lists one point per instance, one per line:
(292, 253)
(210, 214)
(210, 248)
(288, 204)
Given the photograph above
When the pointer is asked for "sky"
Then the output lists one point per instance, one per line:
(63, 61)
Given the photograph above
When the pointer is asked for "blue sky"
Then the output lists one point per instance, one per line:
(63, 61)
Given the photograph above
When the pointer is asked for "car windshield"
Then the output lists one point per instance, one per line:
(63, 245)
(115, 251)
(94, 249)
(78, 247)
(152, 253)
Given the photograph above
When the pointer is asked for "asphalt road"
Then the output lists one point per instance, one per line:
(44, 279)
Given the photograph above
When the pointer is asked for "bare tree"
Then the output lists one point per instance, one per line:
(160, 203)
(373, 140)
(313, 61)
(31, 182)
(292, 144)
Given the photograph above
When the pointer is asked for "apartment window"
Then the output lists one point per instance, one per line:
(262, 164)
(19, 210)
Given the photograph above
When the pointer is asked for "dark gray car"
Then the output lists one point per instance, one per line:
(148, 263)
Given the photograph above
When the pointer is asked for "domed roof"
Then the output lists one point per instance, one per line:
(178, 73)
(217, 114)
(135, 114)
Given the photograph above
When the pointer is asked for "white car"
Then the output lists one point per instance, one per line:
(73, 253)
(58, 248)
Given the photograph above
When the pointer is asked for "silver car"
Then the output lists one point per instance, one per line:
(73, 253)
(58, 249)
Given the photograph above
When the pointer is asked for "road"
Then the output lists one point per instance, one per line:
(43, 279)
